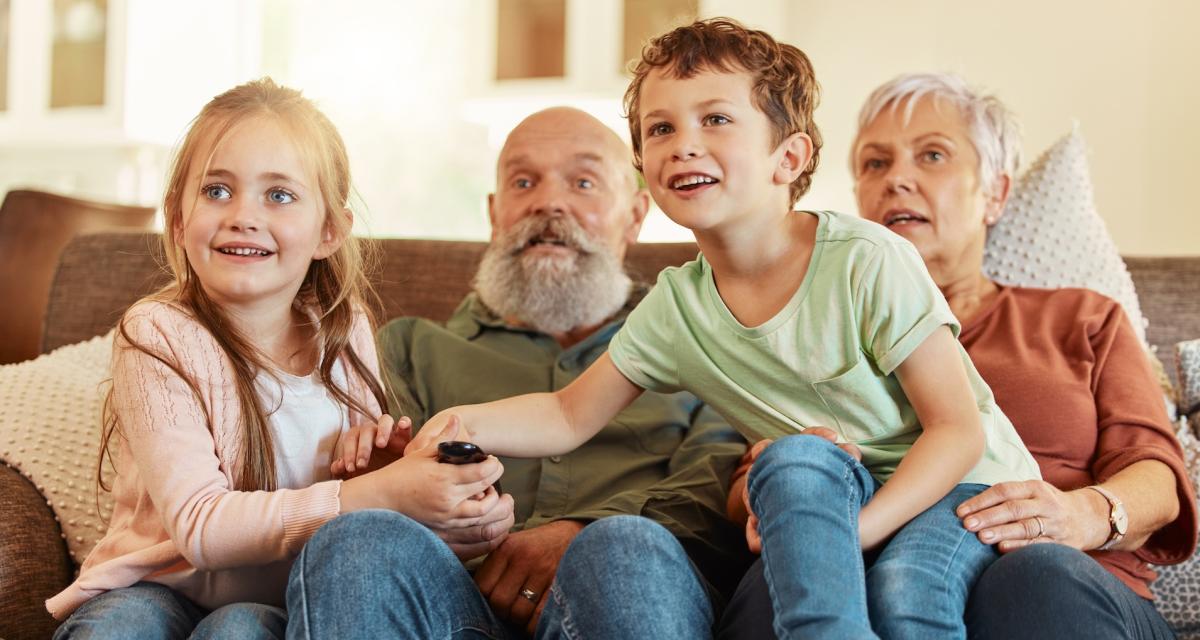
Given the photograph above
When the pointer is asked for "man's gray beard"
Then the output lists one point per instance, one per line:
(551, 293)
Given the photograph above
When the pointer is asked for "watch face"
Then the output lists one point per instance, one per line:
(1119, 519)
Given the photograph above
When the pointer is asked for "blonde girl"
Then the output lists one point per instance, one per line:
(233, 385)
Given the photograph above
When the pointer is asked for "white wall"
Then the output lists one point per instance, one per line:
(408, 84)
(1126, 72)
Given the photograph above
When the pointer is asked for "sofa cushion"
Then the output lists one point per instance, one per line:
(50, 432)
(1051, 236)
(1177, 590)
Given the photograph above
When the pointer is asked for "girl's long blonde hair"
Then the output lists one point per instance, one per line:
(336, 287)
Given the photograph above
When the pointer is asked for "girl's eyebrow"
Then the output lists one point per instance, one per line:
(269, 176)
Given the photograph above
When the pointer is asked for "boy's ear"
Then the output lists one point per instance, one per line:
(797, 153)
(331, 240)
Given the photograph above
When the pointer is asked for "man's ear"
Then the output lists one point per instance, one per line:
(997, 197)
(331, 240)
(492, 213)
(797, 153)
(638, 211)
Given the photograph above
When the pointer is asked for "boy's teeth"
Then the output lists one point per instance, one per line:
(688, 181)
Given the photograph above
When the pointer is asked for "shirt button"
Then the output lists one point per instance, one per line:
(556, 459)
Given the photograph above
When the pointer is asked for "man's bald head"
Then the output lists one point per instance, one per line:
(567, 125)
(566, 208)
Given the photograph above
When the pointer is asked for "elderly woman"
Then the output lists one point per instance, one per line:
(934, 162)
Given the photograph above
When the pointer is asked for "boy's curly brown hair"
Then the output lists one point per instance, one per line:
(785, 88)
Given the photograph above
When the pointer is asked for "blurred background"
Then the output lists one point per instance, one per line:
(95, 93)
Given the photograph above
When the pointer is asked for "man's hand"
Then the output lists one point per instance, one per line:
(482, 538)
(526, 560)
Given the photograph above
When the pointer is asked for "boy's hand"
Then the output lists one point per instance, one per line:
(356, 445)
(831, 435)
(753, 540)
(440, 428)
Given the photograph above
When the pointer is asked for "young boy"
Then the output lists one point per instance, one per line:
(790, 320)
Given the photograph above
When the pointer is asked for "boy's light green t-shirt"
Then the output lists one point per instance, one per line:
(827, 359)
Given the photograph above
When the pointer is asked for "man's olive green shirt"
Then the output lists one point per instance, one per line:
(667, 457)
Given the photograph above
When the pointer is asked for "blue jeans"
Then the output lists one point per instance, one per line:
(1055, 591)
(150, 610)
(808, 494)
(375, 574)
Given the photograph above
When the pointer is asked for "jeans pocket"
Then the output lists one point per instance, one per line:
(863, 404)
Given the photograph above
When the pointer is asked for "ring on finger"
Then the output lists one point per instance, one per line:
(1041, 527)
(528, 594)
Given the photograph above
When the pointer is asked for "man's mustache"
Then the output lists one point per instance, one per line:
(563, 229)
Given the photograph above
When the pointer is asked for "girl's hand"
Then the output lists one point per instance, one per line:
(357, 443)
(441, 496)
(1012, 515)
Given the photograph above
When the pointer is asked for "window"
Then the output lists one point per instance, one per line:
(531, 39)
(78, 54)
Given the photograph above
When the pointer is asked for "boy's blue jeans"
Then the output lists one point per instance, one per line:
(807, 494)
(151, 610)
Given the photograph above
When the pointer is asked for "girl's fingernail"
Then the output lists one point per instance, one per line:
(987, 536)
(970, 523)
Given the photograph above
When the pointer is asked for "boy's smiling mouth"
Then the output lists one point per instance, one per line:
(691, 181)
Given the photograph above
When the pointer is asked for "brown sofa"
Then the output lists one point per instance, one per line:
(100, 275)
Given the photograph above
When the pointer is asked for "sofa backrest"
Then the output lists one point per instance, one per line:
(100, 275)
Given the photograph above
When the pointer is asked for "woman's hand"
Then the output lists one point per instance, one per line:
(1012, 515)
(355, 446)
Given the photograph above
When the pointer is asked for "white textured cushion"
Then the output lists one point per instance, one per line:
(1050, 235)
(50, 432)
(1177, 590)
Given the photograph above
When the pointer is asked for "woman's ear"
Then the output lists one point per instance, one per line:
(996, 197)
(331, 239)
(797, 153)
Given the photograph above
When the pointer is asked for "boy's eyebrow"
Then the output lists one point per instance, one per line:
(658, 113)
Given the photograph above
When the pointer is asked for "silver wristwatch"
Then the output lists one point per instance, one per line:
(1118, 520)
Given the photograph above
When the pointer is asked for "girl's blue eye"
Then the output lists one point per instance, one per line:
(280, 196)
(216, 192)
(717, 118)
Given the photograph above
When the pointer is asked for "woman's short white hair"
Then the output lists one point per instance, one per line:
(992, 128)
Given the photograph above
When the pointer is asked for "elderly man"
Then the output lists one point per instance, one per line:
(549, 295)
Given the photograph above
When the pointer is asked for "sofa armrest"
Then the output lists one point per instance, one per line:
(34, 563)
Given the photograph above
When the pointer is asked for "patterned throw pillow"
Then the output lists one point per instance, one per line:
(1051, 236)
(1177, 590)
(50, 432)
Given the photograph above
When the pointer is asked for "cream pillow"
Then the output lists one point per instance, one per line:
(1177, 590)
(1050, 235)
(50, 432)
